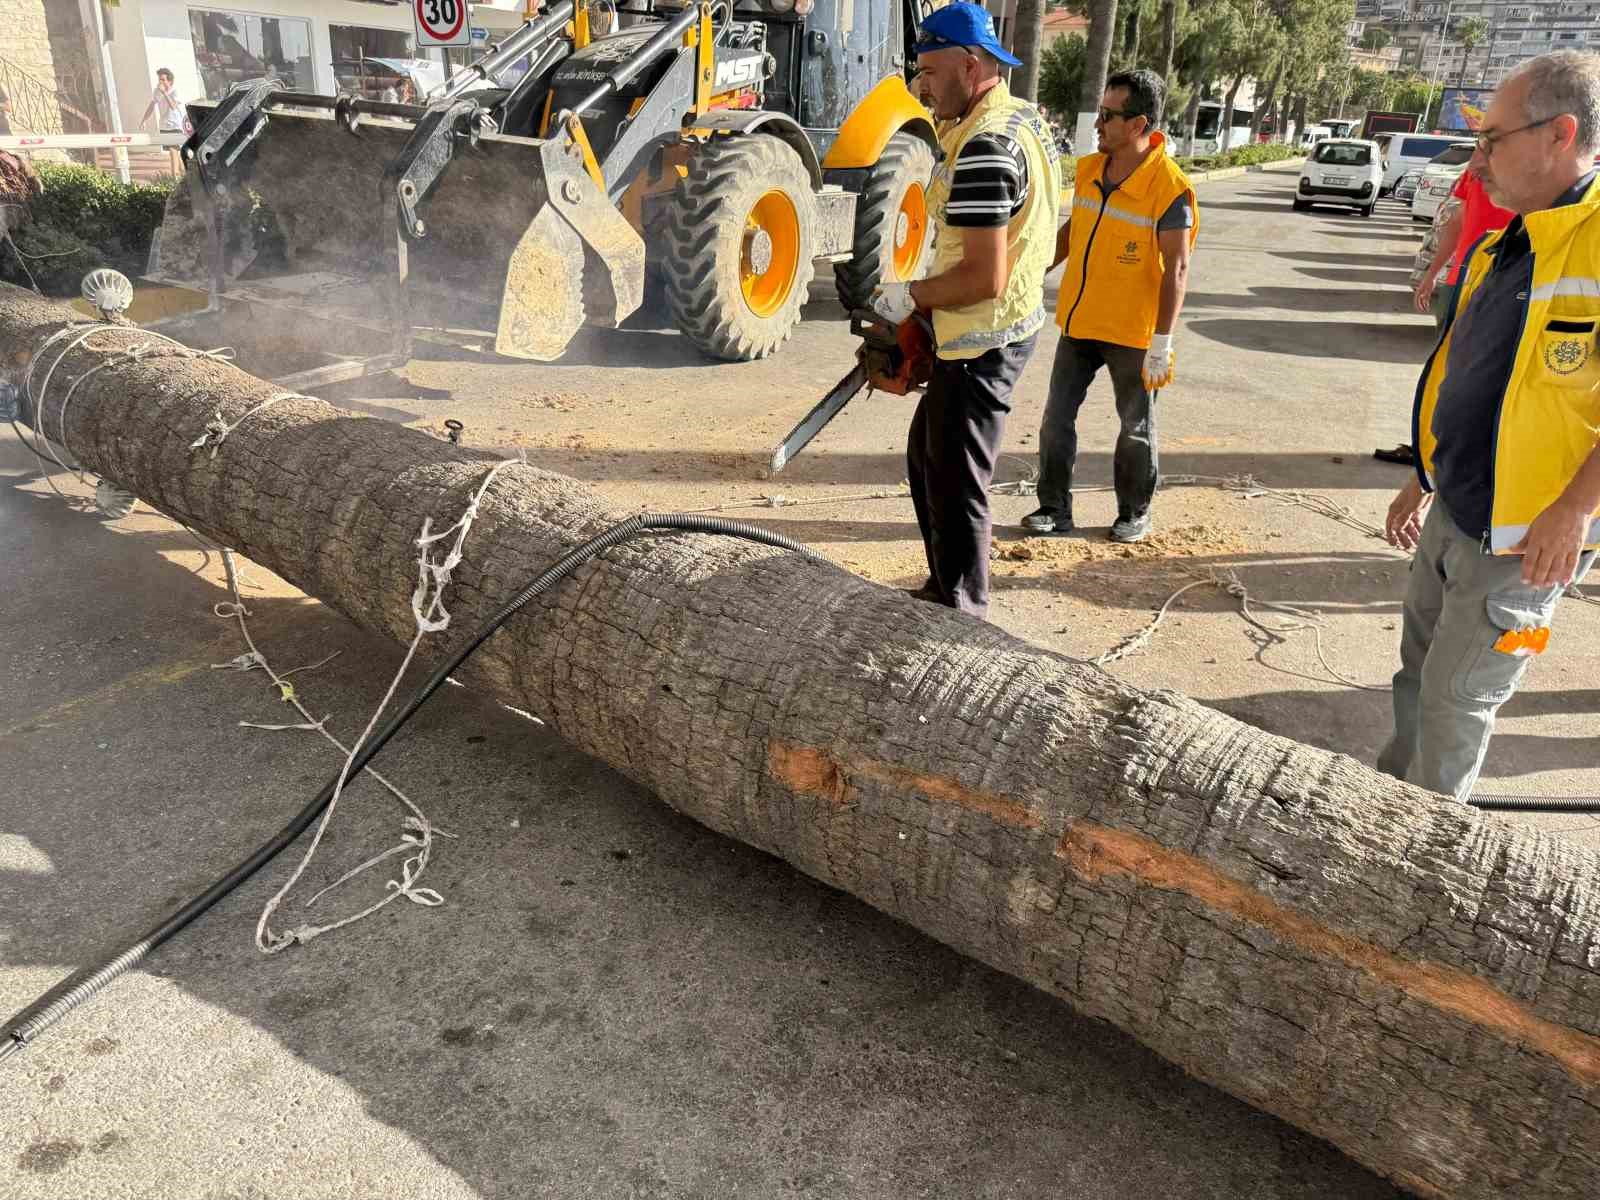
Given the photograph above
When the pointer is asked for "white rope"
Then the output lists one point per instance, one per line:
(1301, 621)
(161, 345)
(217, 430)
(427, 607)
(1138, 640)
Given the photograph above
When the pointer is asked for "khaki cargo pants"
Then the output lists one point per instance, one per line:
(1471, 628)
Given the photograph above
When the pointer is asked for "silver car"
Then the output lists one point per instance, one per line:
(1406, 189)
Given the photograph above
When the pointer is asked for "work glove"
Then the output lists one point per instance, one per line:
(893, 302)
(1158, 361)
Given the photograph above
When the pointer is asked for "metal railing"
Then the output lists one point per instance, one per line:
(36, 107)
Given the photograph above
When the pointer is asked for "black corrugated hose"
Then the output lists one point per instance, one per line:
(78, 987)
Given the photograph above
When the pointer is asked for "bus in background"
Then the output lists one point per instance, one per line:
(1208, 128)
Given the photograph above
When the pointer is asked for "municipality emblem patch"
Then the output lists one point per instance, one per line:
(1566, 355)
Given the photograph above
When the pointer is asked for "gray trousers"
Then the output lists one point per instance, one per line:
(1452, 679)
(1135, 463)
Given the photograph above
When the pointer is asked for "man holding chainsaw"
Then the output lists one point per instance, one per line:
(996, 198)
(1126, 245)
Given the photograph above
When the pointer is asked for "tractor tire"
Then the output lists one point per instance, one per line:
(740, 235)
(892, 224)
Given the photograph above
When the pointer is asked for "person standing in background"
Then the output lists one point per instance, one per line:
(164, 100)
(1126, 245)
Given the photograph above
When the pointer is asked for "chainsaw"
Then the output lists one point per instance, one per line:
(894, 360)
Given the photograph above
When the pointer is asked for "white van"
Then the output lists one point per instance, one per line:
(1403, 152)
(1343, 171)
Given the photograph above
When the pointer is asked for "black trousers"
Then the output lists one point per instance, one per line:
(1136, 462)
(950, 453)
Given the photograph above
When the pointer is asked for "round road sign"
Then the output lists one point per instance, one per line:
(441, 22)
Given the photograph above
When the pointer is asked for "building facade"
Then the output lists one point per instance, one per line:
(211, 45)
(1427, 34)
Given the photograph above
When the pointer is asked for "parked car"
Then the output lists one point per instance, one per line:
(1402, 152)
(1407, 187)
(1342, 171)
(1438, 180)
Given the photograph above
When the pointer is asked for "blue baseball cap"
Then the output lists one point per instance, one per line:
(962, 24)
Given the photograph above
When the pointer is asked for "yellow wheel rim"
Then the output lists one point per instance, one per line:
(771, 255)
(910, 231)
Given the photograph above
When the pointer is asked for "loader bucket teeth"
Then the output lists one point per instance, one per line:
(518, 243)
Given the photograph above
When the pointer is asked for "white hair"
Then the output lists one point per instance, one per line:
(1565, 81)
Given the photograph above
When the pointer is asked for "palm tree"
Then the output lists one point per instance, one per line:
(1471, 34)
(1027, 43)
(1097, 61)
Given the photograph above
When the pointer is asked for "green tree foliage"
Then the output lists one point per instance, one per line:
(1061, 75)
(1376, 38)
(83, 219)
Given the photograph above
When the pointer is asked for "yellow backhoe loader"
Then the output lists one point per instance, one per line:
(723, 150)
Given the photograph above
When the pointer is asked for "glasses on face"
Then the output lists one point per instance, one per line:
(1107, 115)
(1487, 141)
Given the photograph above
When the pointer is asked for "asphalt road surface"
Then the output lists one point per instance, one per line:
(614, 1002)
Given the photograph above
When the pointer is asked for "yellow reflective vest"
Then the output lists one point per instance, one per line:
(1018, 313)
(1548, 421)
(1111, 288)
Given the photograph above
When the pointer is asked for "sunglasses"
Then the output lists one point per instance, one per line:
(1107, 115)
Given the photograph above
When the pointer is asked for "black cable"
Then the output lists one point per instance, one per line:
(83, 984)
(1536, 804)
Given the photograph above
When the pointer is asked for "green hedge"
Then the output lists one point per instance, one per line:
(85, 219)
(1252, 155)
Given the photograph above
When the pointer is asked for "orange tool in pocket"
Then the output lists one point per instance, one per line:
(1524, 642)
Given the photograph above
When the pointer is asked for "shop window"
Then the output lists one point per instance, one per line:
(230, 47)
(357, 41)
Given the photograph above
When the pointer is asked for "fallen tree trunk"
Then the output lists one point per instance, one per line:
(1413, 981)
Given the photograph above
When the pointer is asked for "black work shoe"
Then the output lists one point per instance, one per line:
(1047, 520)
(928, 593)
(1131, 529)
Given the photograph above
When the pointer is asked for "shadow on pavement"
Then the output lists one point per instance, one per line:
(1325, 300)
(1359, 723)
(1329, 584)
(1397, 276)
(1390, 261)
(1391, 342)
(747, 470)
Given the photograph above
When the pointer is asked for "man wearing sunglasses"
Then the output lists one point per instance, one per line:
(995, 199)
(1126, 245)
(1507, 429)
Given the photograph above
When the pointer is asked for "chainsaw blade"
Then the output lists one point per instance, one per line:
(817, 419)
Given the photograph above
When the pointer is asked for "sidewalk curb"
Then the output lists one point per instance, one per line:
(1283, 165)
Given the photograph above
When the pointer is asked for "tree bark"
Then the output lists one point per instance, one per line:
(1169, 37)
(1191, 116)
(1028, 45)
(1097, 54)
(1130, 37)
(1225, 140)
(1264, 103)
(1414, 981)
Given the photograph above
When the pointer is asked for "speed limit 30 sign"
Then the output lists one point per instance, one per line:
(441, 23)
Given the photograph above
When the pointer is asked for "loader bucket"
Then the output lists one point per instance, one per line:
(518, 244)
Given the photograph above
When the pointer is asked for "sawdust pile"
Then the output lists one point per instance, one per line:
(1186, 541)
